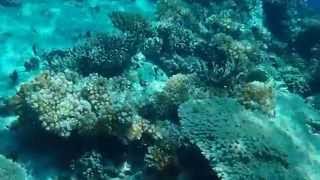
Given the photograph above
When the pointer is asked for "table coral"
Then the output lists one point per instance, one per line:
(10, 170)
(234, 141)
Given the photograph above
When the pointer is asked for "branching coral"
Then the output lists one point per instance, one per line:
(176, 39)
(90, 166)
(226, 59)
(175, 11)
(104, 54)
(107, 55)
(132, 23)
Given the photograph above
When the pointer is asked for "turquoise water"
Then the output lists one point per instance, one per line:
(159, 90)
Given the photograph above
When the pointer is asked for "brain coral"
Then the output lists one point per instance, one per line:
(235, 140)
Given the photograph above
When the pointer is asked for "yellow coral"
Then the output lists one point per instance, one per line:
(160, 157)
(259, 95)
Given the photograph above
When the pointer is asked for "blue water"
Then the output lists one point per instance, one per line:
(314, 4)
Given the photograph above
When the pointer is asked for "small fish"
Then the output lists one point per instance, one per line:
(14, 77)
(34, 49)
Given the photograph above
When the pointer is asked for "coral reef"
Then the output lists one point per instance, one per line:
(199, 80)
(10, 170)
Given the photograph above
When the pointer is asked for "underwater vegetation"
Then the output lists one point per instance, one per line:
(189, 90)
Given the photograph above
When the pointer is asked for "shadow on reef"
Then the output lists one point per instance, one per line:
(277, 18)
(62, 154)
